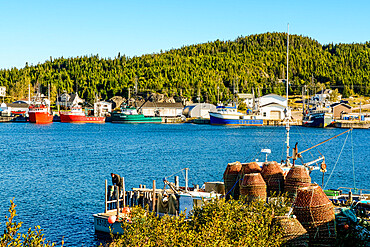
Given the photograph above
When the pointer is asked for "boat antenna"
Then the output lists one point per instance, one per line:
(287, 112)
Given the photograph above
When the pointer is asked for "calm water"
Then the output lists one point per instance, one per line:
(56, 172)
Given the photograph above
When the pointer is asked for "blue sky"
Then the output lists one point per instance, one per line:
(32, 31)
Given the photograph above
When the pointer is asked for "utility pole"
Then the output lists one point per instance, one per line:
(287, 100)
(218, 94)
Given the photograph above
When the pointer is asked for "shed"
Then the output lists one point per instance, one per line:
(273, 111)
(151, 109)
(198, 110)
(272, 106)
(339, 108)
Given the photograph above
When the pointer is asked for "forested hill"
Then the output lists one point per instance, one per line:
(255, 61)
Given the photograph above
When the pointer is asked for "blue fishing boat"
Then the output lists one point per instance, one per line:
(320, 118)
(229, 115)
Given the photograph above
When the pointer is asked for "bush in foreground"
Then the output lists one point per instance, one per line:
(12, 237)
(217, 223)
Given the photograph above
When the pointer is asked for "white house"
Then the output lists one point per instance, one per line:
(272, 106)
(102, 108)
(322, 95)
(69, 100)
(247, 98)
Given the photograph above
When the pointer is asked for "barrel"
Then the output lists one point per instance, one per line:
(251, 167)
(253, 187)
(315, 212)
(294, 234)
(231, 176)
(274, 177)
(296, 178)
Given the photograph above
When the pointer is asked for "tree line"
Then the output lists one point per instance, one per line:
(211, 70)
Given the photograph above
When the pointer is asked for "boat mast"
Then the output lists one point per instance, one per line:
(287, 114)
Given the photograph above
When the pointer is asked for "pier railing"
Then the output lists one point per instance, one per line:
(116, 199)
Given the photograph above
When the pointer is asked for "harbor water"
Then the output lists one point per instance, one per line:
(56, 172)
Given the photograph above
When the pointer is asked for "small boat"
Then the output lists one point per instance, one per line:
(39, 114)
(229, 115)
(171, 201)
(129, 114)
(77, 115)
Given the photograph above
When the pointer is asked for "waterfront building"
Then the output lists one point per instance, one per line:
(151, 109)
(102, 108)
(272, 106)
(339, 109)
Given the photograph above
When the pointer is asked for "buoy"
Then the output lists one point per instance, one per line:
(112, 219)
(126, 210)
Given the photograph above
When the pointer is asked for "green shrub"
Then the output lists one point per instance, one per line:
(12, 238)
(217, 223)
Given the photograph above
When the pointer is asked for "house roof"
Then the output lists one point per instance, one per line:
(273, 104)
(18, 105)
(325, 91)
(337, 104)
(245, 95)
(167, 105)
(274, 96)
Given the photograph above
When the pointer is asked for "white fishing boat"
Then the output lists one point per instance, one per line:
(229, 115)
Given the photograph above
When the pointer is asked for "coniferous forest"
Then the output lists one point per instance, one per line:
(255, 62)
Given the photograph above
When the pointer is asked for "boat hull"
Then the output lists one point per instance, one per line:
(40, 117)
(101, 224)
(66, 118)
(318, 120)
(140, 118)
(216, 120)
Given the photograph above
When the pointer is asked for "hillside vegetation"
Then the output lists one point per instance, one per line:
(255, 62)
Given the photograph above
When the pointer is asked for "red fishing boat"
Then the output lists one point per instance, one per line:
(39, 114)
(76, 115)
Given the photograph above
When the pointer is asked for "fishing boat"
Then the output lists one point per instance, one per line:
(77, 115)
(39, 114)
(129, 114)
(229, 115)
(320, 118)
(171, 201)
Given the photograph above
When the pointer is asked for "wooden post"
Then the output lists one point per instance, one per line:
(186, 179)
(117, 196)
(106, 197)
(123, 192)
(177, 183)
(153, 196)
